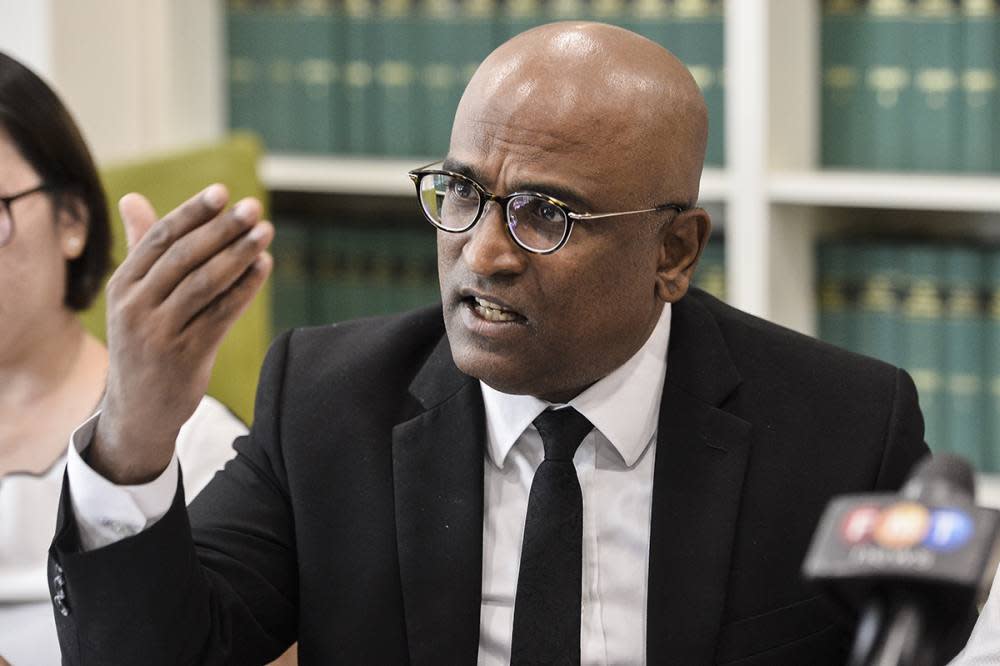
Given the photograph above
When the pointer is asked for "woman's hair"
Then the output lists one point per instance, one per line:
(48, 139)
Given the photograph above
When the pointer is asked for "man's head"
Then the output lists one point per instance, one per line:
(605, 121)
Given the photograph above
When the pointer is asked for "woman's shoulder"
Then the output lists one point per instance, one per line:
(205, 443)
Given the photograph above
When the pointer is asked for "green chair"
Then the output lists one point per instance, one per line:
(168, 181)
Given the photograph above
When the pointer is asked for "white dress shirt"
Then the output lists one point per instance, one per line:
(615, 467)
(28, 507)
(983, 648)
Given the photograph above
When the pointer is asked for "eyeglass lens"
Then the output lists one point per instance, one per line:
(453, 203)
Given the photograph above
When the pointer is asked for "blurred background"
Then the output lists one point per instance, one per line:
(853, 170)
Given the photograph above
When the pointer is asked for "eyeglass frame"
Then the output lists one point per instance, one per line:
(8, 200)
(485, 196)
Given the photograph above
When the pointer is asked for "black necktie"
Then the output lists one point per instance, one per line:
(547, 606)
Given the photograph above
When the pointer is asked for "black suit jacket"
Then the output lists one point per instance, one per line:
(352, 517)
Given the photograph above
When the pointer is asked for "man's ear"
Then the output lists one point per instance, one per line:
(74, 223)
(681, 244)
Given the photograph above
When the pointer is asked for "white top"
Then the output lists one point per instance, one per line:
(28, 507)
(983, 648)
(615, 467)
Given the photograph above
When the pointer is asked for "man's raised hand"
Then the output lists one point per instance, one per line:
(186, 280)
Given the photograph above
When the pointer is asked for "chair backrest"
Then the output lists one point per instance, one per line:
(168, 181)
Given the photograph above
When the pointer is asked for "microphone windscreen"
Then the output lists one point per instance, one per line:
(941, 478)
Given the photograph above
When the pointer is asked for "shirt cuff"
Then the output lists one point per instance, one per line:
(106, 512)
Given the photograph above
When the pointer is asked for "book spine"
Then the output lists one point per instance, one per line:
(937, 109)
(980, 70)
(315, 72)
(841, 83)
(290, 280)
(280, 48)
(482, 29)
(711, 271)
(247, 27)
(358, 74)
(395, 80)
(965, 345)
(990, 452)
(923, 332)
(697, 40)
(439, 81)
(518, 16)
(835, 324)
(888, 82)
(876, 269)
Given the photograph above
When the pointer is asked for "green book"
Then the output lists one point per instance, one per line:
(990, 452)
(698, 42)
(885, 46)
(841, 112)
(280, 52)
(922, 336)
(937, 110)
(875, 268)
(396, 80)
(440, 30)
(566, 10)
(654, 19)
(482, 31)
(516, 16)
(835, 306)
(314, 57)
(290, 280)
(415, 275)
(964, 349)
(246, 28)
(609, 11)
(358, 75)
(980, 130)
(710, 273)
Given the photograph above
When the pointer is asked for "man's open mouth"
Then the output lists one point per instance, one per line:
(491, 311)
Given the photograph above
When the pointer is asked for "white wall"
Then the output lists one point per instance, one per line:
(139, 76)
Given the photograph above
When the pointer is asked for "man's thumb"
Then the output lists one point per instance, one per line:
(138, 216)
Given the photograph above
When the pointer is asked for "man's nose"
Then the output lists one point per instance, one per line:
(489, 249)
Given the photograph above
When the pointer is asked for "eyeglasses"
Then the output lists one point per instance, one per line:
(536, 222)
(7, 214)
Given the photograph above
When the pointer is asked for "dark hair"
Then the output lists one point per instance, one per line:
(47, 138)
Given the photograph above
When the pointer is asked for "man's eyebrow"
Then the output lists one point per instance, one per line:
(567, 195)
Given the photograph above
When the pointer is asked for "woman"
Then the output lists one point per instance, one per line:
(54, 253)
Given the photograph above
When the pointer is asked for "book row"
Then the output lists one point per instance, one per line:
(383, 77)
(330, 273)
(911, 85)
(935, 311)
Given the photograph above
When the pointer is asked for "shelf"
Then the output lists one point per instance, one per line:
(988, 490)
(905, 191)
(385, 176)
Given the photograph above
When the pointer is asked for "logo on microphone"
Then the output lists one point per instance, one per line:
(904, 525)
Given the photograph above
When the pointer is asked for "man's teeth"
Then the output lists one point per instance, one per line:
(491, 311)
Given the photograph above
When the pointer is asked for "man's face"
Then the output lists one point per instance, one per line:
(549, 325)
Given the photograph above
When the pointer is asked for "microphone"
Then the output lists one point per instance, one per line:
(912, 565)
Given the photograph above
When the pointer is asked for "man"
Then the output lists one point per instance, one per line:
(394, 502)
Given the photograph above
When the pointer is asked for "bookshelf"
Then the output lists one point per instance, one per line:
(774, 193)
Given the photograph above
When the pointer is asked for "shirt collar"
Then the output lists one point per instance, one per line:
(624, 406)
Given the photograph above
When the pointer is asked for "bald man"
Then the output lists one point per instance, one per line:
(575, 458)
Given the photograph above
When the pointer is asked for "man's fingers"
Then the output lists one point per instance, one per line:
(138, 216)
(161, 235)
(200, 288)
(213, 322)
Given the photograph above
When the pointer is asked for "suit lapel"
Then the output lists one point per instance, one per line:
(701, 455)
(438, 485)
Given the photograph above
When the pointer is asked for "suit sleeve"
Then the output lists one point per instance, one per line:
(213, 583)
(904, 440)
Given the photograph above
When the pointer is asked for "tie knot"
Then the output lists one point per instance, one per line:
(562, 430)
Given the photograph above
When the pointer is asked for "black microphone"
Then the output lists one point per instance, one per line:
(912, 565)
